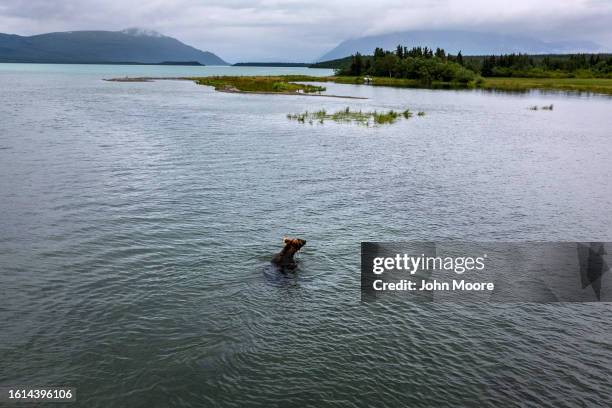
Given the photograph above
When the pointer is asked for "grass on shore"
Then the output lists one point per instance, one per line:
(265, 84)
(398, 82)
(349, 116)
(594, 85)
(288, 84)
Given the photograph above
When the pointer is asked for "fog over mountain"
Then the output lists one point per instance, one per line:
(303, 31)
(133, 45)
(453, 41)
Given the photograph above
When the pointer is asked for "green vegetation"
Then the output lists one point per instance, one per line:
(260, 84)
(398, 82)
(423, 67)
(349, 116)
(286, 84)
(423, 63)
(546, 66)
(419, 64)
(596, 85)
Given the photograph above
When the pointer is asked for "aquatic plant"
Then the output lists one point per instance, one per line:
(385, 117)
(545, 107)
(348, 116)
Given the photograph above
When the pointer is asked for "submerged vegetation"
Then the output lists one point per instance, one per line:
(546, 107)
(350, 116)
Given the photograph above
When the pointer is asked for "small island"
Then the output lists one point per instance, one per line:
(280, 85)
(259, 84)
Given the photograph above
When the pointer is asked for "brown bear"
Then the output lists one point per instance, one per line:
(284, 259)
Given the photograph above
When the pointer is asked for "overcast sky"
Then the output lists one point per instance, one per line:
(300, 30)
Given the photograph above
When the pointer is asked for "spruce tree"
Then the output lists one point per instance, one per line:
(399, 51)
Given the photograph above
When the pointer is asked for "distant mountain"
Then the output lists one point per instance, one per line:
(272, 64)
(453, 41)
(131, 45)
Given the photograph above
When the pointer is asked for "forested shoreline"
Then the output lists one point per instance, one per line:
(429, 65)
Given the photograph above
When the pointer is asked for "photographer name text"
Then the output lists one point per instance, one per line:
(424, 285)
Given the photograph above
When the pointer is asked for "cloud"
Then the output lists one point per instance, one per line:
(299, 30)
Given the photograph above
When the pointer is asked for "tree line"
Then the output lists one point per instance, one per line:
(428, 65)
(523, 65)
(420, 63)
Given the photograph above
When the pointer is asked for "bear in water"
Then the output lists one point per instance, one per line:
(284, 259)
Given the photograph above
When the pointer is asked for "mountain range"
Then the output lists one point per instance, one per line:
(130, 46)
(453, 41)
(136, 45)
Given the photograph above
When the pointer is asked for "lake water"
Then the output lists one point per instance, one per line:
(137, 221)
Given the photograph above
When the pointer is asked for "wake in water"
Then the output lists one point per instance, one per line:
(275, 276)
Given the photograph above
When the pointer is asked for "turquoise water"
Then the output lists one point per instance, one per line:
(155, 70)
(138, 220)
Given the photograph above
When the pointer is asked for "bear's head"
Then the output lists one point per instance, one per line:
(292, 245)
